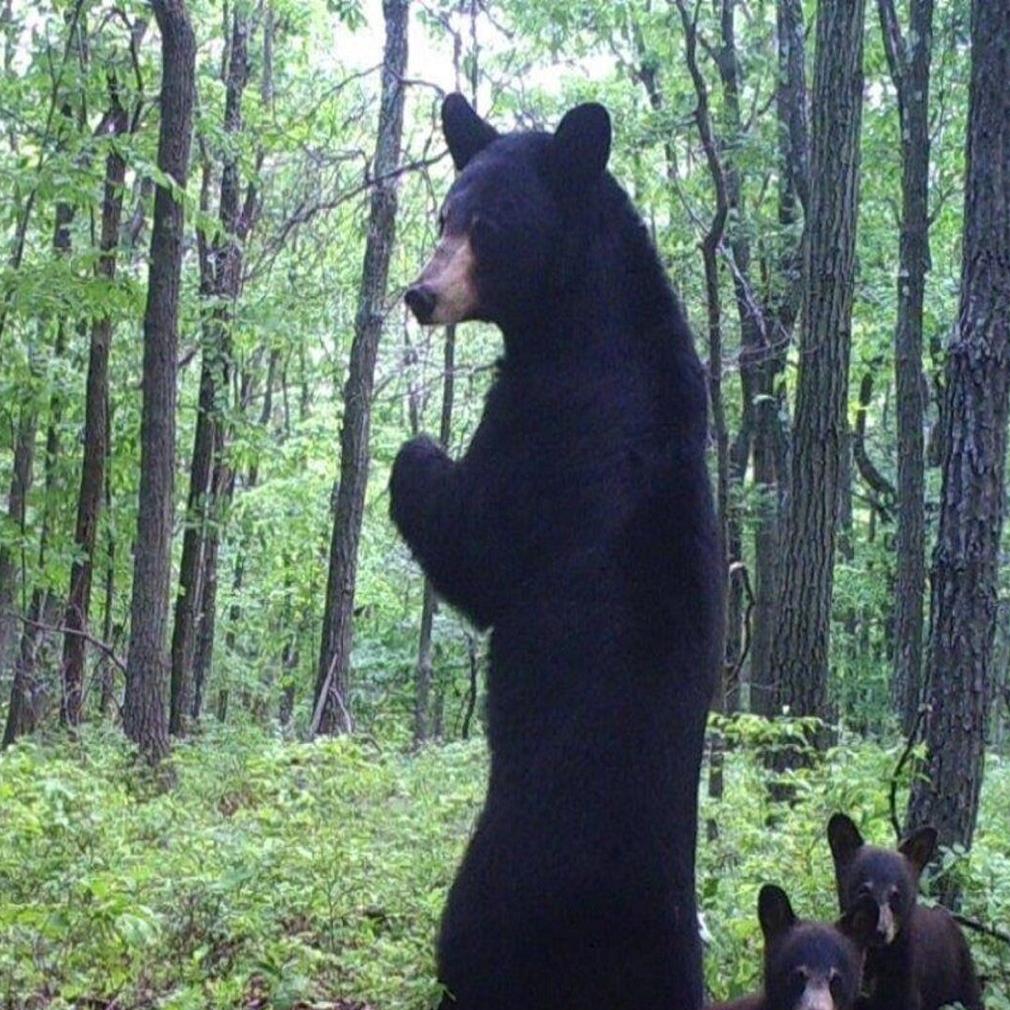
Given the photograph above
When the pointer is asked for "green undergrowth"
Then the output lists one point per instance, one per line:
(275, 874)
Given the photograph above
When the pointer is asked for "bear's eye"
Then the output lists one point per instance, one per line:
(483, 236)
(836, 983)
(798, 980)
(894, 898)
(864, 888)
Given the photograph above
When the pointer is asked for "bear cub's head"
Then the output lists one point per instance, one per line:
(811, 965)
(891, 879)
(509, 215)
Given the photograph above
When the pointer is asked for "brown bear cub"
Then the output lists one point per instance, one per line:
(809, 965)
(918, 959)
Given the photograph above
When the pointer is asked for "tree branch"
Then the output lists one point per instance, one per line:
(61, 630)
(894, 44)
(867, 469)
(898, 768)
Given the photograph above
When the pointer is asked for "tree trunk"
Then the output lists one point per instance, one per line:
(909, 60)
(770, 477)
(331, 708)
(710, 245)
(224, 267)
(423, 674)
(21, 482)
(289, 664)
(89, 502)
(144, 711)
(222, 488)
(22, 712)
(965, 575)
(24, 447)
(110, 630)
(802, 627)
(754, 348)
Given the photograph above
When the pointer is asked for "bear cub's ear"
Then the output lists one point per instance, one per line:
(580, 147)
(465, 132)
(919, 848)
(844, 838)
(774, 913)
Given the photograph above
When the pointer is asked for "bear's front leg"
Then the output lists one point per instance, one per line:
(427, 504)
(421, 472)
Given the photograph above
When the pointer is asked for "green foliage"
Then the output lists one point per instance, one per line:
(763, 841)
(295, 873)
(287, 870)
(282, 874)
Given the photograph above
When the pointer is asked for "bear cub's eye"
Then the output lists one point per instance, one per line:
(798, 978)
(836, 983)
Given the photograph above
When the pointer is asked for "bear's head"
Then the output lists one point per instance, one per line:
(811, 965)
(508, 221)
(891, 879)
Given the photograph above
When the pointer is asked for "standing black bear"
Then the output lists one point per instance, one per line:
(918, 959)
(579, 525)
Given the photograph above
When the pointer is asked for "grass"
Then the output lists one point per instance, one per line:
(282, 875)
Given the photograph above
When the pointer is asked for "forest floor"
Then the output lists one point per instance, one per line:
(284, 875)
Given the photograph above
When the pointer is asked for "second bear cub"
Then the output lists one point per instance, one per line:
(918, 958)
(808, 965)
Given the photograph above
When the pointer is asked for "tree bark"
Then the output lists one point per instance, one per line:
(965, 573)
(222, 488)
(771, 478)
(754, 347)
(802, 627)
(710, 246)
(109, 629)
(144, 717)
(909, 61)
(223, 264)
(89, 501)
(21, 482)
(331, 703)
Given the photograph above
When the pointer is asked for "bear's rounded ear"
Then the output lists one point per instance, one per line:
(918, 848)
(859, 924)
(465, 132)
(844, 838)
(580, 147)
(774, 913)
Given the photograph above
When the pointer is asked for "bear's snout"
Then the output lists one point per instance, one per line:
(445, 292)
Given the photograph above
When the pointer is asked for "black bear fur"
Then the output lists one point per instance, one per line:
(579, 526)
(808, 965)
(919, 958)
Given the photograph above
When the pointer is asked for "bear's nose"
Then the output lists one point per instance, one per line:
(420, 300)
